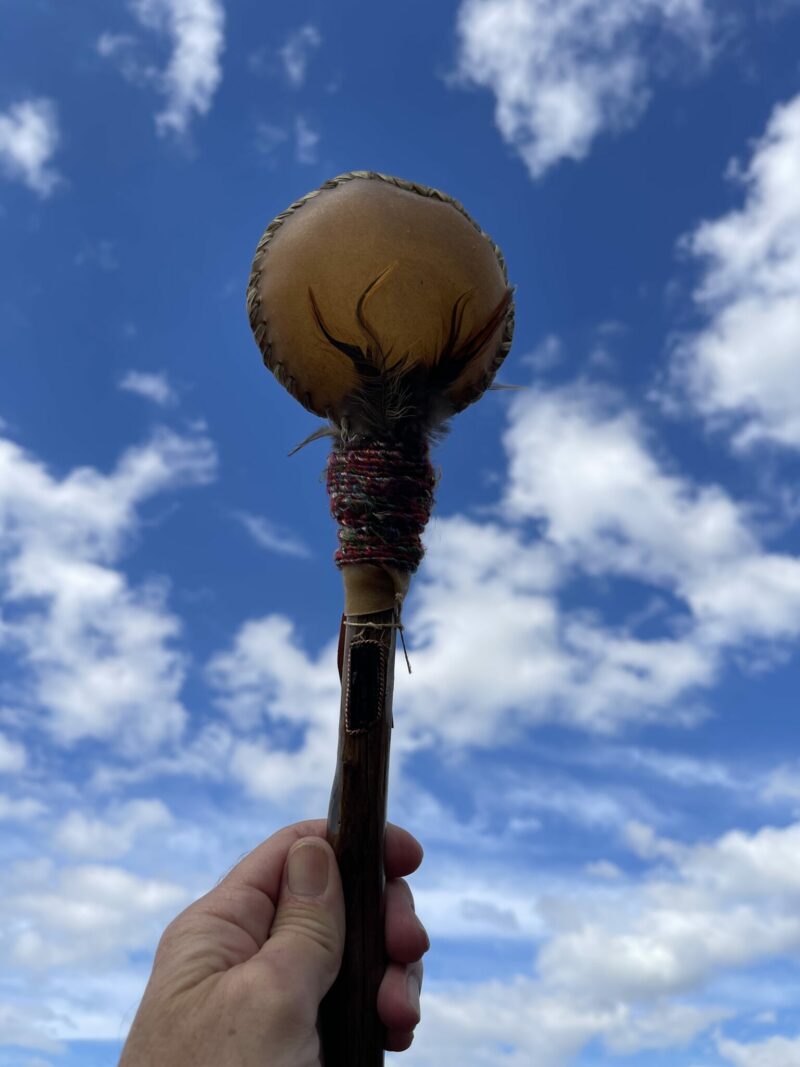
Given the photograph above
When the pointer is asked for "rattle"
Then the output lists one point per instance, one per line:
(382, 307)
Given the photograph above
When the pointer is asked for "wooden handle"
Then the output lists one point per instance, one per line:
(352, 1034)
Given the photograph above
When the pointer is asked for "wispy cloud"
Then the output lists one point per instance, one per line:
(306, 141)
(678, 768)
(152, 385)
(269, 138)
(297, 51)
(267, 535)
(13, 756)
(549, 353)
(29, 137)
(16, 809)
(195, 30)
(564, 71)
(88, 836)
(783, 785)
(776, 1051)
(112, 44)
(101, 254)
(303, 138)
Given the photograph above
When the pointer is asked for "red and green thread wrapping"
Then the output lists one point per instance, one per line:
(381, 496)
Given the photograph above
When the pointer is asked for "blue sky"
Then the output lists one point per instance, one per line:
(597, 746)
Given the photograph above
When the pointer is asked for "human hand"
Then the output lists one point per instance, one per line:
(239, 975)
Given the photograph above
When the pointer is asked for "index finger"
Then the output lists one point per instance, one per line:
(403, 853)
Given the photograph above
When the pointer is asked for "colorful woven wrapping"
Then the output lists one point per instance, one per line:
(381, 496)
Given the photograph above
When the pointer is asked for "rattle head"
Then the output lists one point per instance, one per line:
(375, 300)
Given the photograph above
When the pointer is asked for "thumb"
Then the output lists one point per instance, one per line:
(306, 939)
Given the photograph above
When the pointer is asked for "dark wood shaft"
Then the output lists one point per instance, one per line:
(352, 1034)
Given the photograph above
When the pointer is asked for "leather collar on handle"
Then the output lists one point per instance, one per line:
(369, 588)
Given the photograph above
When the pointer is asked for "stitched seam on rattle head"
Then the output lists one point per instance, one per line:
(259, 325)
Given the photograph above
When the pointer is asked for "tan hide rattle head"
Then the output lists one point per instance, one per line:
(371, 278)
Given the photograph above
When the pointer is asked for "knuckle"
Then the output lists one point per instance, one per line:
(403, 890)
(174, 931)
(312, 924)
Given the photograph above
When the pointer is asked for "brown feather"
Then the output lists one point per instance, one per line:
(405, 399)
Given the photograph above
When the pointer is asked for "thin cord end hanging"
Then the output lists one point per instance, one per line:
(401, 629)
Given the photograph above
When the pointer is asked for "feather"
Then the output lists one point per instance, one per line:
(401, 399)
(315, 435)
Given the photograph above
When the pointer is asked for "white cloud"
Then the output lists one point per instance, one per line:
(97, 656)
(153, 386)
(282, 774)
(619, 959)
(517, 1024)
(206, 755)
(13, 756)
(604, 498)
(22, 809)
(494, 651)
(48, 1011)
(470, 904)
(265, 676)
(776, 1051)
(29, 137)
(31, 1026)
(111, 44)
(306, 141)
(482, 679)
(127, 53)
(89, 837)
(603, 869)
(304, 138)
(564, 71)
(590, 806)
(195, 30)
(765, 1018)
(783, 784)
(297, 51)
(677, 768)
(269, 138)
(91, 915)
(77, 941)
(723, 905)
(742, 365)
(273, 538)
(586, 470)
(101, 254)
(265, 672)
(549, 353)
